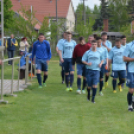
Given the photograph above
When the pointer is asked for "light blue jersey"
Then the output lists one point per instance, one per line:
(92, 57)
(124, 46)
(116, 55)
(104, 52)
(129, 52)
(67, 48)
(108, 44)
(60, 43)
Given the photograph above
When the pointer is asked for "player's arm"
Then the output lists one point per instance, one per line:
(128, 59)
(110, 59)
(102, 60)
(60, 55)
(109, 63)
(85, 59)
(57, 50)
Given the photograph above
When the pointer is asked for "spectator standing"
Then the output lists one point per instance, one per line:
(24, 45)
(11, 44)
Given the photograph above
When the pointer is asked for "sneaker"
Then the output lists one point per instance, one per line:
(130, 109)
(114, 91)
(106, 84)
(78, 91)
(71, 89)
(100, 93)
(93, 102)
(120, 88)
(40, 87)
(44, 84)
(67, 89)
(63, 82)
(83, 92)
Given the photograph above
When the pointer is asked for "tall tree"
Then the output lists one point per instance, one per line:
(119, 14)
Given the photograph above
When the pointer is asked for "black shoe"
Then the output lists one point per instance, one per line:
(63, 82)
(88, 97)
(130, 109)
(93, 101)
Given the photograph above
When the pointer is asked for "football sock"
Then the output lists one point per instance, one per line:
(88, 96)
(62, 75)
(114, 84)
(94, 93)
(106, 78)
(39, 79)
(79, 83)
(129, 98)
(121, 81)
(84, 84)
(71, 79)
(101, 85)
(67, 80)
(45, 78)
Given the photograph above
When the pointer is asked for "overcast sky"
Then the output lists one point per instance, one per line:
(90, 3)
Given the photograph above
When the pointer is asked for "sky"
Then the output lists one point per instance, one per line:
(89, 3)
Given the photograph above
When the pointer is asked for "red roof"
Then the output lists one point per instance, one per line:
(44, 7)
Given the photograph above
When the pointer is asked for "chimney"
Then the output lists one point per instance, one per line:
(105, 25)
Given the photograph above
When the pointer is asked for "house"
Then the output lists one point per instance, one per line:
(47, 8)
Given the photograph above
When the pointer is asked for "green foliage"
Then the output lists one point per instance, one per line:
(118, 14)
(81, 29)
(127, 30)
(85, 30)
(8, 14)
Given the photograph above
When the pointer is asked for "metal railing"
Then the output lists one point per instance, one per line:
(12, 80)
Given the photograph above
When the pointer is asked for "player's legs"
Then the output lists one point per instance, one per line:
(79, 76)
(114, 82)
(39, 68)
(106, 77)
(95, 82)
(84, 79)
(66, 69)
(122, 78)
(89, 82)
(130, 84)
(71, 74)
(45, 70)
(101, 79)
(62, 74)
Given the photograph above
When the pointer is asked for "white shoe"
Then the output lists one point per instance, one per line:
(78, 91)
(83, 92)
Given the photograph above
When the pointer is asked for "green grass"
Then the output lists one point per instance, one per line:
(52, 110)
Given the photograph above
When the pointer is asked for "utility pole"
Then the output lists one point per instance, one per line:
(84, 12)
(57, 20)
(2, 25)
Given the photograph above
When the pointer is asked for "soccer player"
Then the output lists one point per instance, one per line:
(108, 45)
(118, 65)
(90, 39)
(104, 53)
(60, 43)
(93, 61)
(129, 57)
(79, 50)
(66, 59)
(123, 41)
(42, 51)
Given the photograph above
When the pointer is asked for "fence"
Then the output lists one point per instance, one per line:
(12, 80)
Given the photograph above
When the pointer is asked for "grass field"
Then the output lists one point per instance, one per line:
(52, 110)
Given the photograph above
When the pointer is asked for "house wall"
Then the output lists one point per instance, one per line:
(70, 23)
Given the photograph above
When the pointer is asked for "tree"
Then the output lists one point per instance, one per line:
(119, 14)
(8, 14)
(98, 20)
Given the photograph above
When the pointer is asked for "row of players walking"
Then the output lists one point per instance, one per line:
(93, 61)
